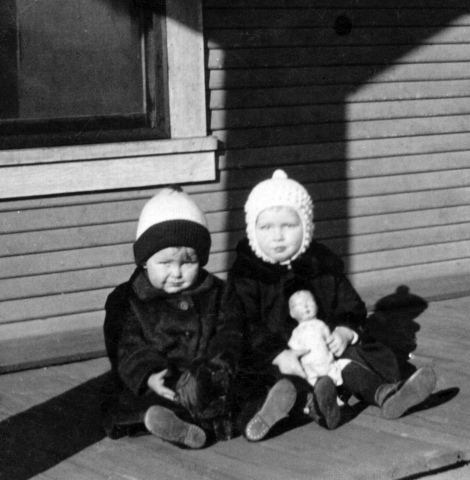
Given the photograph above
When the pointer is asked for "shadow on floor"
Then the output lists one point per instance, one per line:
(393, 322)
(43, 436)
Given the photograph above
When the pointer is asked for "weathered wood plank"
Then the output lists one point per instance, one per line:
(326, 35)
(318, 17)
(334, 4)
(381, 148)
(353, 112)
(322, 55)
(255, 97)
(337, 75)
(340, 131)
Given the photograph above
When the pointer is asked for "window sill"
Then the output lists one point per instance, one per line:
(59, 170)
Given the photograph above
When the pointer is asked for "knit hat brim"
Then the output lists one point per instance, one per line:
(173, 233)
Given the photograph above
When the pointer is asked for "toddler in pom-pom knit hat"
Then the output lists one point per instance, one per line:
(170, 313)
(278, 258)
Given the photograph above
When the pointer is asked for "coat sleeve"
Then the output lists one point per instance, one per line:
(131, 355)
(263, 343)
(228, 342)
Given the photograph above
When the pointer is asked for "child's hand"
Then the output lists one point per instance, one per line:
(156, 383)
(289, 364)
(339, 339)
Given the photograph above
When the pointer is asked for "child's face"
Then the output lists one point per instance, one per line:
(302, 307)
(279, 233)
(173, 269)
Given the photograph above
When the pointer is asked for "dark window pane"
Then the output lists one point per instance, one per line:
(68, 68)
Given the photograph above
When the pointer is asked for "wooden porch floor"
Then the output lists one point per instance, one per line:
(50, 428)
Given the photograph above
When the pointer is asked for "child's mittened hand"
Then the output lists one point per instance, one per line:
(289, 364)
(339, 339)
(156, 383)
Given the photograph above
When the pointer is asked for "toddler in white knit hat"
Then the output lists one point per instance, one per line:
(278, 258)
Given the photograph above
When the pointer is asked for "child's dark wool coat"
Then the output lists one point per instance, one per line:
(147, 331)
(264, 290)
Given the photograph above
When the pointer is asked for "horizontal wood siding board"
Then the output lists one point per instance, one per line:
(67, 323)
(357, 111)
(255, 97)
(315, 17)
(53, 305)
(326, 36)
(333, 4)
(37, 263)
(353, 168)
(409, 256)
(322, 56)
(341, 131)
(53, 349)
(350, 76)
(64, 282)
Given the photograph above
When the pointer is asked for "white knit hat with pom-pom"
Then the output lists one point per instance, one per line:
(171, 219)
(279, 191)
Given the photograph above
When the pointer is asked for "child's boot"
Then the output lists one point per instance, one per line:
(396, 398)
(165, 424)
(280, 400)
(323, 404)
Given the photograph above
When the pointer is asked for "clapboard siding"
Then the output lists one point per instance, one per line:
(374, 123)
(300, 37)
(344, 78)
(296, 115)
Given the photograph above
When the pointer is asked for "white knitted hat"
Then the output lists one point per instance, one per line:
(171, 219)
(279, 191)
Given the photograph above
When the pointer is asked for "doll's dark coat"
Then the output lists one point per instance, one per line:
(147, 331)
(264, 290)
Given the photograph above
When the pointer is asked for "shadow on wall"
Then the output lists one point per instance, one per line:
(286, 75)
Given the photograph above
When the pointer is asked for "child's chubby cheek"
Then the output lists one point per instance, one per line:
(173, 269)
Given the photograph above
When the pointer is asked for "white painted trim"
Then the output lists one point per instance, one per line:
(108, 174)
(106, 150)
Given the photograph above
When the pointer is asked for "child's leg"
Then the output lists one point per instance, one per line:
(280, 400)
(323, 404)
(393, 398)
(165, 424)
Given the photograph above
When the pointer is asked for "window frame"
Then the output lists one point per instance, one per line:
(187, 156)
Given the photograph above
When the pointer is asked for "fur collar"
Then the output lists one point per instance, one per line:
(317, 260)
(147, 292)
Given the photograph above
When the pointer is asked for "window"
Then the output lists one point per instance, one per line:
(97, 94)
(79, 72)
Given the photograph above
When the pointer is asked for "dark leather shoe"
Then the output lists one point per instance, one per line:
(165, 424)
(280, 400)
(396, 399)
(325, 409)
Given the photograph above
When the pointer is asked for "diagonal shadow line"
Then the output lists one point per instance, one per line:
(39, 438)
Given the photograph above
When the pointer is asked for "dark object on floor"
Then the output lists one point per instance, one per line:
(206, 391)
(166, 425)
(280, 400)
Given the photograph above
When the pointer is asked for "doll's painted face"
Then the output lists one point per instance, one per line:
(302, 306)
(279, 233)
(173, 269)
